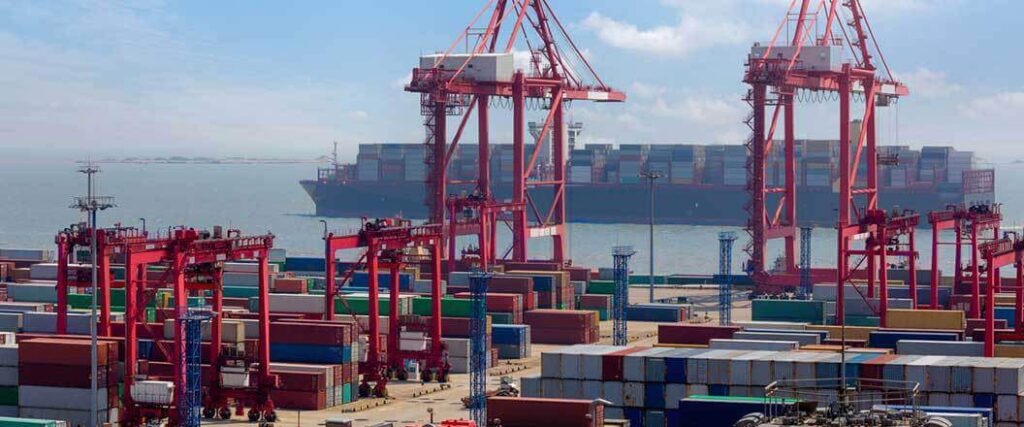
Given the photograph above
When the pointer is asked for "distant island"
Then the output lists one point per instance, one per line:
(209, 160)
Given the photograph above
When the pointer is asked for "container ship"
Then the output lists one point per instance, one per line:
(699, 184)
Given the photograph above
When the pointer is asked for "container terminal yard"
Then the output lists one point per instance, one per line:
(191, 324)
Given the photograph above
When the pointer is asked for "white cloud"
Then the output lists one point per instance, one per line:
(689, 34)
(646, 90)
(400, 82)
(698, 109)
(358, 115)
(929, 84)
(1004, 107)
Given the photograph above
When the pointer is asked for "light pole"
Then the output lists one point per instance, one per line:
(90, 204)
(651, 176)
(143, 225)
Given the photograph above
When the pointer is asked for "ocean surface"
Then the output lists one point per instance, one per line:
(35, 197)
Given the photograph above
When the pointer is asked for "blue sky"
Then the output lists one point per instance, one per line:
(147, 77)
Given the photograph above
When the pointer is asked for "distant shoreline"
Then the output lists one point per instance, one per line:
(207, 161)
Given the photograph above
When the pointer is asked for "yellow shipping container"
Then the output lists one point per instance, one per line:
(1009, 350)
(822, 348)
(859, 333)
(926, 319)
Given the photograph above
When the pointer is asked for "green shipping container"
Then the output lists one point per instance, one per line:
(862, 321)
(772, 310)
(601, 287)
(450, 307)
(361, 305)
(26, 422)
(9, 396)
(346, 395)
(241, 291)
(501, 318)
(645, 279)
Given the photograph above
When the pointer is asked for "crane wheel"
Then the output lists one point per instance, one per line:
(402, 374)
(209, 413)
(254, 415)
(270, 416)
(225, 413)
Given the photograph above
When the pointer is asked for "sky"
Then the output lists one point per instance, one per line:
(268, 78)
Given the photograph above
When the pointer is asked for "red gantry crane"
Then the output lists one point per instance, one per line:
(385, 241)
(184, 250)
(883, 236)
(841, 63)
(454, 84)
(80, 235)
(997, 254)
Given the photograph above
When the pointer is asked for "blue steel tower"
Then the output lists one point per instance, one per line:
(805, 262)
(725, 241)
(478, 348)
(191, 396)
(620, 299)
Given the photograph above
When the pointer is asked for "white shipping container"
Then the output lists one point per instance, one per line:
(9, 354)
(59, 397)
(633, 394)
(941, 348)
(1007, 409)
(46, 322)
(733, 344)
(613, 392)
(68, 418)
(8, 376)
(156, 392)
(481, 67)
(296, 303)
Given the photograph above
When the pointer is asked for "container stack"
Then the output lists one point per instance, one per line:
(646, 385)
(531, 412)
(504, 309)
(511, 341)
(563, 326)
(656, 312)
(8, 377)
(693, 334)
(54, 380)
(602, 304)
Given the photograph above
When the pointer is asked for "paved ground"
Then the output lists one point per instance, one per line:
(406, 407)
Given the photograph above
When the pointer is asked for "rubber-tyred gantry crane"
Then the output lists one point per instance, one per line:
(815, 65)
(385, 241)
(454, 84)
(203, 252)
(997, 254)
(477, 216)
(79, 235)
(883, 235)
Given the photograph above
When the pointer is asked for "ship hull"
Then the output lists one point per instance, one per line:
(621, 203)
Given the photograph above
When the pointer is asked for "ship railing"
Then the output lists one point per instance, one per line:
(853, 394)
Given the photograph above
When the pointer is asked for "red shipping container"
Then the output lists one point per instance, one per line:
(563, 336)
(565, 319)
(534, 412)
(290, 286)
(499, 302)
(300, 380)
(62, 351)
(289, 332)
(73, 376)
(595, 301)
(872, 369)
(686, 333)
(578, 274)
(511, 266)
(455, 327)
(304, 400)
(165, 371)
(612, 363)
(236, 303)
(146, 331)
